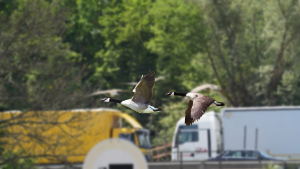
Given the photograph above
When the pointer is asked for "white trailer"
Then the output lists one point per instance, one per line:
(274, 130)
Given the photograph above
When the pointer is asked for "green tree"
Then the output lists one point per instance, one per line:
(83, 33)
(144, 35)
(37, 70)
(179, 35)
(125, 57)
(13, 161)
(252, 50)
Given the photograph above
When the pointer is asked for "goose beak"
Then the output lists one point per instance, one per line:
(104, 99)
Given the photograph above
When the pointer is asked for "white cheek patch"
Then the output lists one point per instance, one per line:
(191, 96)
(107, 100)
(172, 94)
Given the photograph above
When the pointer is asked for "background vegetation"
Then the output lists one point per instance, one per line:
(53, 53)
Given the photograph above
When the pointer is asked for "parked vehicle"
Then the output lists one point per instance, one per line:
(74, 138)
(243, 155)
(271, 130)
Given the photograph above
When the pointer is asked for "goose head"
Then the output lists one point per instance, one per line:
(106, 99)
(170, 94)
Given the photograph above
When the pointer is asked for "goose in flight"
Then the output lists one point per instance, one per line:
(156, 79)
(112, 92)
(197, 105)
(203, 87)
(140, 102)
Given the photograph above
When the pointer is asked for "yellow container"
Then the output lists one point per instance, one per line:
(67, 136)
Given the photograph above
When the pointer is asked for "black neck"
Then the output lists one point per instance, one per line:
(179, 94)
(115, 100)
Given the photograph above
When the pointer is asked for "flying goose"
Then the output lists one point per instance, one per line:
(203, 87)
(197, 105)
(140, 102)
(156, 79)
(112, 92)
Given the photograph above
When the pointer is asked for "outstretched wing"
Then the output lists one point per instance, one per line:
(144, 89)
(188, 119)
(200, 105)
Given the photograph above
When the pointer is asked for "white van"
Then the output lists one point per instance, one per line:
(192, 142)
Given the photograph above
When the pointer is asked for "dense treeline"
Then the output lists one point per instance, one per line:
(55, 52)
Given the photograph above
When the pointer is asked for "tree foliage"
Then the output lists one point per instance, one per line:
(252, 49)
(37, 71)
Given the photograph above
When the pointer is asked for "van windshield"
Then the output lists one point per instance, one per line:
(143, 138)
(187, 134)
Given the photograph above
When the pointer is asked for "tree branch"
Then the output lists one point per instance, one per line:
(218, 77)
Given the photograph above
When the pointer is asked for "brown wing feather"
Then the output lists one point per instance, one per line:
(144, 89)
(188, 119)
(200, 105)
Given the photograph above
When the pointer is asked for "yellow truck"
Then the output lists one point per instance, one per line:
(67, 136)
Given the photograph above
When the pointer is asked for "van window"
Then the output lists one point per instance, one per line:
(187, 136)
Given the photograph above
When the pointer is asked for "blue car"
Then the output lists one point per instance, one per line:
(243, 155)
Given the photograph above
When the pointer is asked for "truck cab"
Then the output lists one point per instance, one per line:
(198, 141)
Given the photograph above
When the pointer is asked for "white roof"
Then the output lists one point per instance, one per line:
(261, 108)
